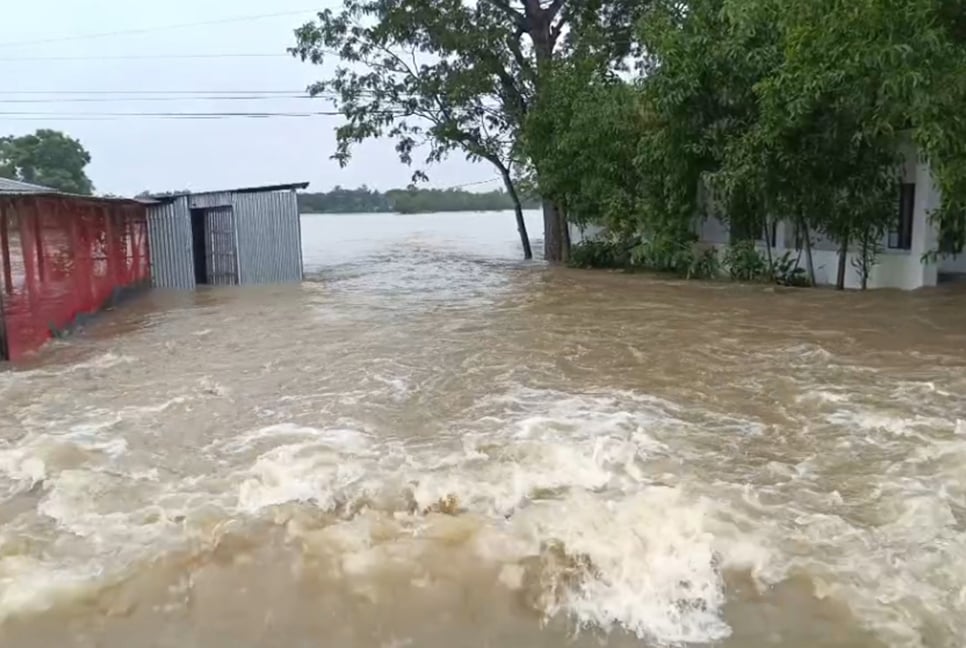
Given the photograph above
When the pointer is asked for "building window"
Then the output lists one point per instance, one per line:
(900, 238)
(745, 231)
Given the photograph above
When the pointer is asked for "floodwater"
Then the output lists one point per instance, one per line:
(430, 443)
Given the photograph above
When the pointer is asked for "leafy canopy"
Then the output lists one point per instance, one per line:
(47, 157)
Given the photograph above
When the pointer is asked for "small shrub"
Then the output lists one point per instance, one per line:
(599, 254)
(745, 263)
(705, 265)
(786, 271)
(665, 254)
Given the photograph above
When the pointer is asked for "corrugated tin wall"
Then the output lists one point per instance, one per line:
(169, 236)
(269, 237)
(222, 259)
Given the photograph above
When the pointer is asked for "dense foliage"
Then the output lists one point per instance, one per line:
(47, 157)
(407, 201)
(756, 111)
(439, 76)
(649, 116)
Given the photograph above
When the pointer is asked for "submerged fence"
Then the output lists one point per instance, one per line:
(63, 257)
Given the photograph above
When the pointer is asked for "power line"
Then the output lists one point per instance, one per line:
(147, 92)
(139, 57)
(77, 118)
(16, 114)
(472, 184)
(60, 100)
(145, 30)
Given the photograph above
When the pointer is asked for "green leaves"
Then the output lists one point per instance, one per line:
(49, 158)
(799, 107)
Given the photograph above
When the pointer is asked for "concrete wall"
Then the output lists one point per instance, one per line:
(580, 233)
(953, 265)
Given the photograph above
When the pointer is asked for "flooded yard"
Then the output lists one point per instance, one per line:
(431, 443)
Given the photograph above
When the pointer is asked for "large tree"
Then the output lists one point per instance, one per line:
(445, 75)
(49, 158)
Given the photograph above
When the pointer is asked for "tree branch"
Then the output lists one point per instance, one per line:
(553, 9)
(556, 29)
(510, 12)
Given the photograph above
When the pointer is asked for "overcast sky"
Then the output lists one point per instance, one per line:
(132, 154)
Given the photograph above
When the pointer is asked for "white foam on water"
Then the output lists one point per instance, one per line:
(30, 585)
(310, 471)
(563, 481)
(564, 472)
(275, 435)
(918, 426)
(106, 360)
(649, 562)
(37, 457)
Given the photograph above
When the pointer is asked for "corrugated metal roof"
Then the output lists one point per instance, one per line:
(15, 186)
(263, 188)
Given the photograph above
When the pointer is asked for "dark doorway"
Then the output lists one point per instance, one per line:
(199, 245)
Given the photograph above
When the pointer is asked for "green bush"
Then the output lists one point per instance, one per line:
(705, 265)
(786, 272)
(599, 254)
(745, 263)
(664, 253)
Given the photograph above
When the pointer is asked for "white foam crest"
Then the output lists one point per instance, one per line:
(650, 564)
(338, 438)
(899, 426)
(510, 475)
(103, 361)
(30, 585)
(89, 504)
(23, 467)
(300, 472)
(157, 408)
(36, 458)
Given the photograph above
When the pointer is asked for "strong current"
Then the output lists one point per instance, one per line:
(431, 443)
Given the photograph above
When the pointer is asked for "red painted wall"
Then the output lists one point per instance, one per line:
(63, 257)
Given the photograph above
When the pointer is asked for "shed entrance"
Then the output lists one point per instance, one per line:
(213, 244)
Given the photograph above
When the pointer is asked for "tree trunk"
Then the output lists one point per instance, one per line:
(809, 262)
(565, 229)
(518, 210)
(843, 257)
(538, 24)
(556, 248)
(768, 255)
(865, 261)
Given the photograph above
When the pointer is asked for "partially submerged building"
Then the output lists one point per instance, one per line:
(63, 256)
(903, 261)
(251, 235)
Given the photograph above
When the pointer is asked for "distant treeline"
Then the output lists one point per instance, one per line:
(405, 201)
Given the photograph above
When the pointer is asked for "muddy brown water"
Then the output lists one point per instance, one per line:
(431, 443)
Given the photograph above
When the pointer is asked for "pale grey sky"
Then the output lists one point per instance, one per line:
(131, 154)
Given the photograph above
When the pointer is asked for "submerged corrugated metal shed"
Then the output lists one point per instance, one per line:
(242, 236)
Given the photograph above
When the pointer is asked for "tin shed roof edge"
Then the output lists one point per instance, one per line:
(9, 185)
(16, 195)
(258, 189)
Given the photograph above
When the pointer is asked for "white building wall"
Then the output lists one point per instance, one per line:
(953, 265)
(903, 269)
(581, 233)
